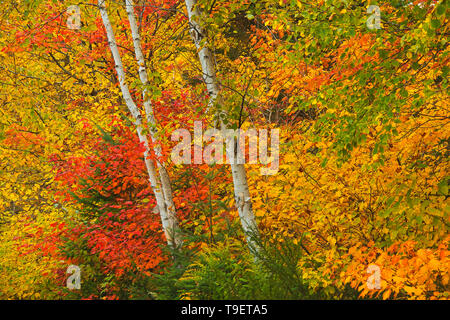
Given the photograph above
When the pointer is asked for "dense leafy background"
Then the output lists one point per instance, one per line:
(364, 151)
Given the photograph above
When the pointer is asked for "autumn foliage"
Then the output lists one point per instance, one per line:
(364, 151)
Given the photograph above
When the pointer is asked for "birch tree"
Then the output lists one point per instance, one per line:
(241, 191)
(158, 176)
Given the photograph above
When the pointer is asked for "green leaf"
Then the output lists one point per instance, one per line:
(440, 10)
(435, 24)
(443, 186)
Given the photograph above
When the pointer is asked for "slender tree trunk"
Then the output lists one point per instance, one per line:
(162, 190)
(241, 191)
(151, 120)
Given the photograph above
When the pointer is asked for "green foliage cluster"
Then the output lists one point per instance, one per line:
(227, 271)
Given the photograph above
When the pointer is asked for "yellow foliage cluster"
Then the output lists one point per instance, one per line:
(391, 205)
(406, 271)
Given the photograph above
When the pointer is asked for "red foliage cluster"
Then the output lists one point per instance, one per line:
(111, 183)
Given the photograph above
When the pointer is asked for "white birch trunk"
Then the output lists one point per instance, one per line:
(153, 177)
(151, 121)
(241, 191)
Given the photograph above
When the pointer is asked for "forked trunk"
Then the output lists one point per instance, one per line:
(160, 183)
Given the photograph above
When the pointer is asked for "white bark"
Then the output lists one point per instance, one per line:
(151, 121)
(153, 176)
(204, 52)
(241, 191)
